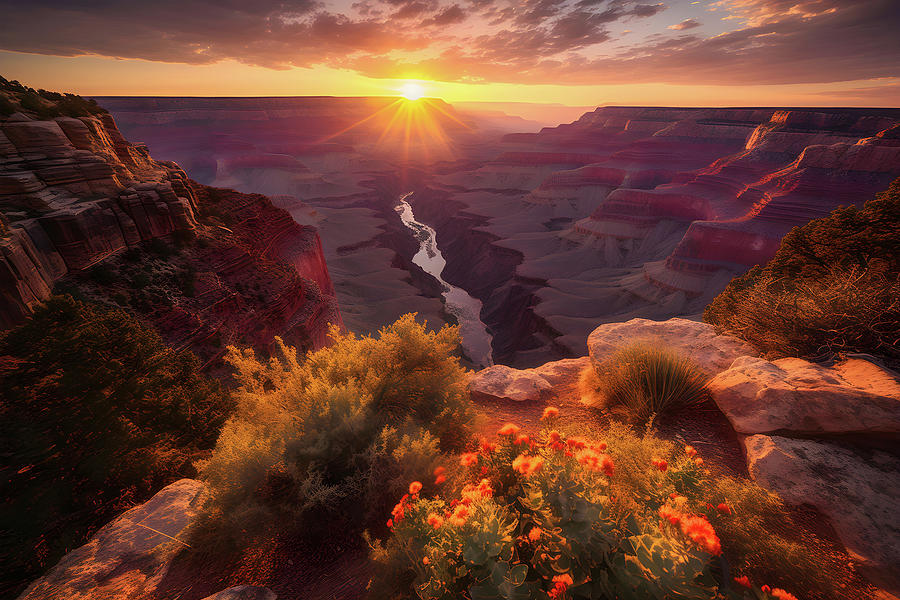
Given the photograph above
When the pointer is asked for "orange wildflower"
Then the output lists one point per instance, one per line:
(743, 580)
(689, 450)
(509, 429)
(596, 462)
(550, 412)
(702, 534)
(425, 560)
(439, 471)
(488, 447)
(415, 487)
(576, 443)
(527, 465)
(724, 508)
(661, 464)
(521, 439)
(765, 589)
(560, 584)
(783, 595)
(440, 479)
(435, 520)
(698, 461)
(535, 534)
(469, 459)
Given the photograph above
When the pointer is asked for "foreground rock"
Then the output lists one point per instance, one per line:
(244, 592)
(712, 353)
(504, 383)
(128, 558)
(857, 493)
(792, 394)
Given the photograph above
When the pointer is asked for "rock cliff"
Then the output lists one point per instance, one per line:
(82, 208)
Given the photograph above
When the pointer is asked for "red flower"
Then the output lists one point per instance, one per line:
(435, 521)
(702, 533)
(535, 534)
(698, 461)
(469, 459)
(660, 464)
(488, 447)
(439, 471)
(425, 560)
(765, 589)
(440, 479)
(724, 509)
(550, 412)
(689, 450)
(783, 595)
(390, 523)
(415, 487)
(521, 439)
(509, 429)
(743, 580)
(576, 443)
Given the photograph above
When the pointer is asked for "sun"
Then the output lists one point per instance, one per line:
(412, 91)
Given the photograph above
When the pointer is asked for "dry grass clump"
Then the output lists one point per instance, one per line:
(643, 382)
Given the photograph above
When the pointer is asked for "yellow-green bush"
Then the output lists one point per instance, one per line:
(644, 381)
(564, 517)
(337, 434)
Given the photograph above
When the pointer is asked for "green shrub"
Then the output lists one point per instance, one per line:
(831, 288)
(644, 381)
(329, 441)
(577, 520)
(95, 413)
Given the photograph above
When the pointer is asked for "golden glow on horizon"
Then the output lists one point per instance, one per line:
(412, 90)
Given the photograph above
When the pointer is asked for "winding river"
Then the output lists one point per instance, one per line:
(476, 341)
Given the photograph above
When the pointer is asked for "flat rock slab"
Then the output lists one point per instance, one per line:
(794, 395)
(858, 493)
(244, 592)
(697, 341)
(129, 557)
(505, 383)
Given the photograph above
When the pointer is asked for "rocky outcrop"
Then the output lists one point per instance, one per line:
(503, 383)
(128, 558)
(75, 194)
(697, 341)
(795, 397)
(858, 493)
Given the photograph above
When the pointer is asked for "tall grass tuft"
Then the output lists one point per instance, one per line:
(645, 381)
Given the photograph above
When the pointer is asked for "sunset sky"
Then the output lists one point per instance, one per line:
(575, 52)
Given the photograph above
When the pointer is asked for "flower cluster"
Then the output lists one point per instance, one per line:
(560, 584)
(596, 461)
(527, 465)
(697, 528)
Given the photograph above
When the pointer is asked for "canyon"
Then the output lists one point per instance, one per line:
(626, 212)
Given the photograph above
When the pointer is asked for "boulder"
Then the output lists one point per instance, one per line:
(794, 395)
(857, 493)
(504, 383)
(129, 557)
(562, 372)
(244, 592)
(698, 341)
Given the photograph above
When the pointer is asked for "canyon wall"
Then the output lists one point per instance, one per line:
(80, 206)
(643, 212)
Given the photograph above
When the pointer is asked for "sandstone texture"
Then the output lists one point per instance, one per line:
(128, 558)
(503, 383)
(858, 493)
(803, 398)
(697, 341)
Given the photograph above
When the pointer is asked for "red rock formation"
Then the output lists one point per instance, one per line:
(74, 193)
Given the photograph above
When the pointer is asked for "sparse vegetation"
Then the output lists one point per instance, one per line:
(44, 104)
(563, 516)
(642, 381)
(326, 442)
(833, 287)
(95, 413)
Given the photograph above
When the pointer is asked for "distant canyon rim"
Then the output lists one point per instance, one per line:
(626, 212)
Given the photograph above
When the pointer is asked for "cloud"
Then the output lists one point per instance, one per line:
(526, 41)
(686, 24)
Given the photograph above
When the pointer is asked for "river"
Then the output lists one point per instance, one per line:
(476, 341)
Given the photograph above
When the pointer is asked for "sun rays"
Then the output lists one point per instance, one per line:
(411, 127)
